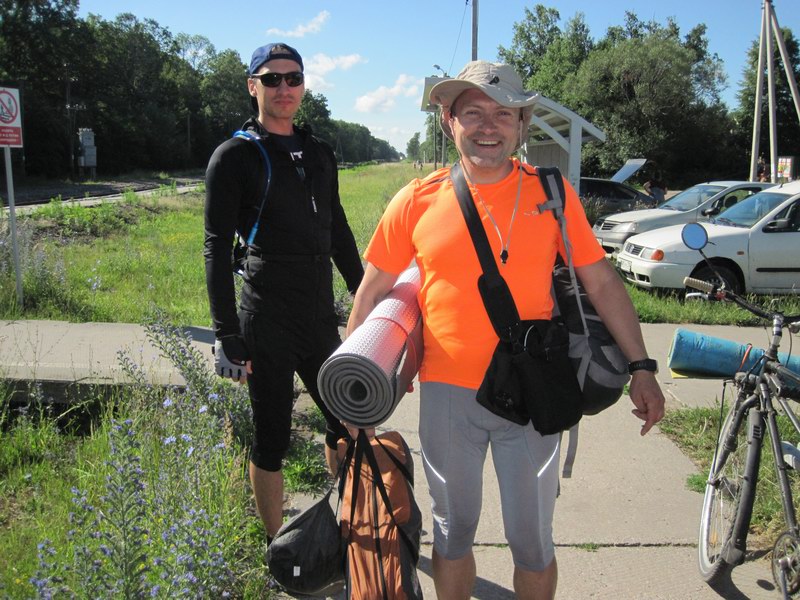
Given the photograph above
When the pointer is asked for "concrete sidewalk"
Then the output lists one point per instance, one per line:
(625, 525)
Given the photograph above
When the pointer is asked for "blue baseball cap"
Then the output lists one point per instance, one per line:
(270, 52)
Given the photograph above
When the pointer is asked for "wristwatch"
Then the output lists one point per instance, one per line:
(646, 364)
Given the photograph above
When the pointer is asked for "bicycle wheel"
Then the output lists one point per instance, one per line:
(728, 502)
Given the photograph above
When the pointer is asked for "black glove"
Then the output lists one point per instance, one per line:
(230, 356)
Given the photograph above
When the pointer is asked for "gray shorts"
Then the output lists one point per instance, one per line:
(455, 432)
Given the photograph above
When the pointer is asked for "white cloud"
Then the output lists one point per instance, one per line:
(383, 98)
(319, 65)
(313, 26)
(397, 136)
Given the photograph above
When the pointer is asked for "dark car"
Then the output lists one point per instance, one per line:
(605, 196)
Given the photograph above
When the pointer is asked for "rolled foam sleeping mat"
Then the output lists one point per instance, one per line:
(364, 379)
(712, 356)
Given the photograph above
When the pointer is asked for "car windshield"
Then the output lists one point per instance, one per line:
(750, 211)
(691, 198)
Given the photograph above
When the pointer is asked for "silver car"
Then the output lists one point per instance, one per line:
(694, 204)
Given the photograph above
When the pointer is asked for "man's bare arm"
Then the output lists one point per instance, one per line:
(374, 287)
(614, 306)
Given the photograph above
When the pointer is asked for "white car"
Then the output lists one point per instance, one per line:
(693, 204)
(754, 247)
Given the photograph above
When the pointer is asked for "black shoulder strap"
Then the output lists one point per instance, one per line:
(358, 450)
(497, 298)
(378, 480)
(474, 225)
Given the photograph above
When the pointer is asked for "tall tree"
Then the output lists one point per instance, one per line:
(142, 107)
(314, 112)
(431, 148)
(383, 151)
(532, 37)
(412, 147)
(650, 90)
(354, 142)
(562, 59)
(196, 50)
(640, 92)
(226, 103)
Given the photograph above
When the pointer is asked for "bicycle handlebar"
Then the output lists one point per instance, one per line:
(698, 284)
(715, 293)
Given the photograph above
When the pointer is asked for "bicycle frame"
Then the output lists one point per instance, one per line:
(748, 406)
(754, 401)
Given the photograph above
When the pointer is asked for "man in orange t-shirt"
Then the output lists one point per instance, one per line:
(486, 112)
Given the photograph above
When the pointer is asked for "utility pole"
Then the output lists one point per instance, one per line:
(444, 137)
(474, 29)
(68, 106)
(770, 28)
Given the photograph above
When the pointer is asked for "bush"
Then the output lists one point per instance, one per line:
(164, 514)
(44, 279)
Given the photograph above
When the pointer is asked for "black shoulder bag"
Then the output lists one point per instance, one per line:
(530, 377)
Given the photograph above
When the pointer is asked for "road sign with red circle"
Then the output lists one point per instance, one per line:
(10, 118)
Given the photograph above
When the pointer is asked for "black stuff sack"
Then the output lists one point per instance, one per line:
(307, 554)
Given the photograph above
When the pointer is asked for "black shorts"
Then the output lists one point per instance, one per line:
(279, 348)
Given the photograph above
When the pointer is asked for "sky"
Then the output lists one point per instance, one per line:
(369, 58)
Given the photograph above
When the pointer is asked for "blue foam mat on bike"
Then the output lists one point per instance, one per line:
(707, 355)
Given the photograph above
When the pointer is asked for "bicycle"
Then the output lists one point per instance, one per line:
(732, 481)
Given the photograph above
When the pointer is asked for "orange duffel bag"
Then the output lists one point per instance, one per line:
(381, 522)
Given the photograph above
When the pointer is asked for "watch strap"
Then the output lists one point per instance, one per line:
(646, 364)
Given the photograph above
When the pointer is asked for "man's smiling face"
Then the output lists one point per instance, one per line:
(485, 132)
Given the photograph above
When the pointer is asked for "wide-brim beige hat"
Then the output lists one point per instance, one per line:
(498, 81)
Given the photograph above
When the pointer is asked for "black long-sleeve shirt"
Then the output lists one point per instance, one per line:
(302, 226)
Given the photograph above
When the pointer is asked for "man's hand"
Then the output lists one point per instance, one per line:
(648, 399)
(231, 358)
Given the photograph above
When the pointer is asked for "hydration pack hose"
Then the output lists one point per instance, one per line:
(250, 136)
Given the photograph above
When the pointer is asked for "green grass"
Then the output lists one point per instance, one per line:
(668, 308)
(695, 432)
(589, 547)
(115, 261)
(158, 263)
(35, 497)
(305, 469)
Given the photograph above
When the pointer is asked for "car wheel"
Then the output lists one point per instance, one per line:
(722, 275)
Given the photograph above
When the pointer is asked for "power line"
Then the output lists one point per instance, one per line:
(460, 29)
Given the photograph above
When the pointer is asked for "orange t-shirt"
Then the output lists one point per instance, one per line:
(423, 222)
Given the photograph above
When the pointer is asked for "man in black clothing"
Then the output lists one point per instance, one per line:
(277, 186)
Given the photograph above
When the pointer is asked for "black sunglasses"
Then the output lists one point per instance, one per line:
(273, 80)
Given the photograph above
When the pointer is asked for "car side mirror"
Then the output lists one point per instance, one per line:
(778, 225)
(694, 236)
(709, 212)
